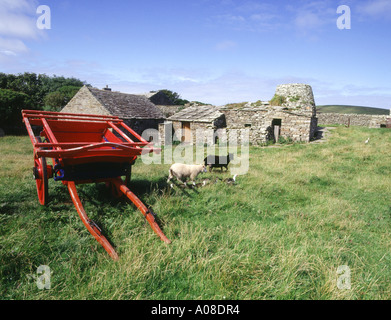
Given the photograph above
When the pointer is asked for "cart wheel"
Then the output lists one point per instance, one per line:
(41, 180)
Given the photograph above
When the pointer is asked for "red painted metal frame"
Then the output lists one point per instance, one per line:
(80, 148)
(78, 139)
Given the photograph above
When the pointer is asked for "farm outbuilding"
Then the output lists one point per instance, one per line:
(185, 124)
(271, 122)
(290, 114)
(137, 111)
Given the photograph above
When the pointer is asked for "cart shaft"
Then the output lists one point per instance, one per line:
(90, 225)
(95, 230)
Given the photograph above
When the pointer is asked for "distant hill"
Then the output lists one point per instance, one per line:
(351, 109)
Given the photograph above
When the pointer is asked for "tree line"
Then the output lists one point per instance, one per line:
(41, 92)
(35, 92)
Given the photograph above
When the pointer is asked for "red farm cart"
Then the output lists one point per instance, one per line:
(86, 149)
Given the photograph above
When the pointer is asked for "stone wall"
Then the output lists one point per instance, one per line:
(84, 102)
(260, 123)
(362, 120)
(298, 96)
(201, 132)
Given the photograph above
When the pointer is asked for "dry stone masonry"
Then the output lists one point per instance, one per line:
(297, 96)
(361, 120)
(84, 102)
(294, 119)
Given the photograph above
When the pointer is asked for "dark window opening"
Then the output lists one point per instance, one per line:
(276, 122)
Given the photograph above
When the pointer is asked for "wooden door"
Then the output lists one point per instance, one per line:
(186, 132)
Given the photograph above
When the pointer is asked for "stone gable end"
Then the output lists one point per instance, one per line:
(85, 103)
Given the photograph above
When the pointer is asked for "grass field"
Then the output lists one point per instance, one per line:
(281, 232)
(352, 109)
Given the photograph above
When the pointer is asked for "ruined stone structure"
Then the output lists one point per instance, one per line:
(362, 120)
(137, 111)
(294, 119)
(297, 96)
(270, 123)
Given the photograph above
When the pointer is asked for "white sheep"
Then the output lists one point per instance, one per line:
(183, 171)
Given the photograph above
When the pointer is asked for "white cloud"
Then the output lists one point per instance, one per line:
(304, 16)
(16, 5)
(249, 7)
(11, 47)
(375, 8)
(312, 16)
(17, 24)
(225, 45)
(328, 93)
(249, 16)
(187, 79)
(230, 18)
(308, 20)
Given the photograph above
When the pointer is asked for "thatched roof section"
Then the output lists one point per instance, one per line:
(197, 114)
(127, 106)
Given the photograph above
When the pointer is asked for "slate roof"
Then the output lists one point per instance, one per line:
(197, 114)
(127, 106)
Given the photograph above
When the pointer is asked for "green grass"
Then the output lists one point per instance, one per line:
(281, 232)
(352, 110)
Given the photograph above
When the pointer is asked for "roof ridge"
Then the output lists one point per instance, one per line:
(127, 105)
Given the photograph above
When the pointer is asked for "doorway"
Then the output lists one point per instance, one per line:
(186, 132)
(276, 125)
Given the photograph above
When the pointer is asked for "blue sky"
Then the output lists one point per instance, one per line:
(214, 51)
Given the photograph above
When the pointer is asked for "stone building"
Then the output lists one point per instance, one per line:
(137, 111)
(297, 96)
(271, 123)
(294, 118)
(184, 125)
